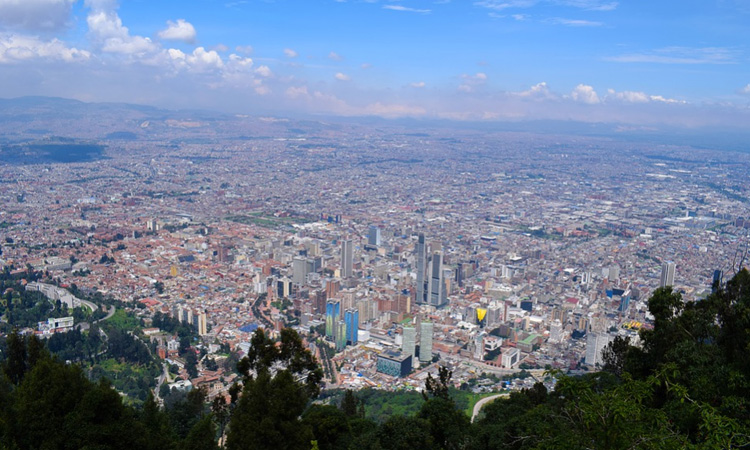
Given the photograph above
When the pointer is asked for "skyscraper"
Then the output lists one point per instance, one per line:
(340, 337)
(332, 316)
(409, 342)
(351, 318)
(373, 236)
(425, 342)
(347, 258)
(436, 295)
(421, 253)
(299, 270)
(202, 324)
(716, 284)
(667, 274)
(595, 343)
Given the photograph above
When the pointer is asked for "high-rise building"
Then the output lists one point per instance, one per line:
(716, 284)
(202, 324)
(409, 343)
(614, 272)
(332, 316)
(667, 274)
(595, 343)
(284, 287)
(299, 270)
(421, 253)
(333, 286)
(425, 342)
(373, 236)
(347, 258)
(340, 335)
(351, 318)
(436, 295)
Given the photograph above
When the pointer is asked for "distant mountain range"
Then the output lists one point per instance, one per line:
(29, 119)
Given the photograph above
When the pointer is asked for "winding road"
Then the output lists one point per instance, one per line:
(484, 401)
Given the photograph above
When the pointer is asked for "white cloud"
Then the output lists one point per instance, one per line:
(178, 31)
(297, 92)
(264, 71)
(406, 9)
(201, 60)
(659, 98)
(244, 49)
(366, 65)
(589, 5)
(419, 84)
(335, 56)
(627, 96)
(235, 60)
(17, 48)
(585, 94)
(471, 82)
(681, 55)
(745, 90)
(499, 5)
(575, 22)
(106, 28)
(394, 110)
(290, 53)
(37, 15)
(342, 77)
(539, 91)
(262, 90)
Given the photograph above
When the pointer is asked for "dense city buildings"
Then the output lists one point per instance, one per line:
(485, 251)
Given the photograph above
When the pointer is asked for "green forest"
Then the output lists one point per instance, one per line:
(686, 386)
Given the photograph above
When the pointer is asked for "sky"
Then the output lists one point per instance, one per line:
(637, 63)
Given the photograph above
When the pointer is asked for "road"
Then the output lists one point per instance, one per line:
(110, 313)
(89, 305)
(484, 401)
(163, 377)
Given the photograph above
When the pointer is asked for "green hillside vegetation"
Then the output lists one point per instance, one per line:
(685, 387)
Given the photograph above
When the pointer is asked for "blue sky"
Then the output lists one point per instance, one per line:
(641, 63)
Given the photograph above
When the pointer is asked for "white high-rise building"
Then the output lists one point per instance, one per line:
(347, 258)
(425, 342)
(409, 341)
(437, 292)
(595, 343)
(421, 253)
(667, 274)
(299, 270)
(202, 324)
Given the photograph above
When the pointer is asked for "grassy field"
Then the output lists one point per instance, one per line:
(267, 221)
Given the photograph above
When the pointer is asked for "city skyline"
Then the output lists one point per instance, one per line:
(583, 60)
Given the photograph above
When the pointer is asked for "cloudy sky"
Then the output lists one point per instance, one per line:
(640, 62)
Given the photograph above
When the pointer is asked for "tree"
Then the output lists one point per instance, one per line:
(329, 425)
(614, 355)
(349, 404)
(201, 436)
(440, 387)
(448, 426)
(221, 413)
(405, 433)
(279, 380)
